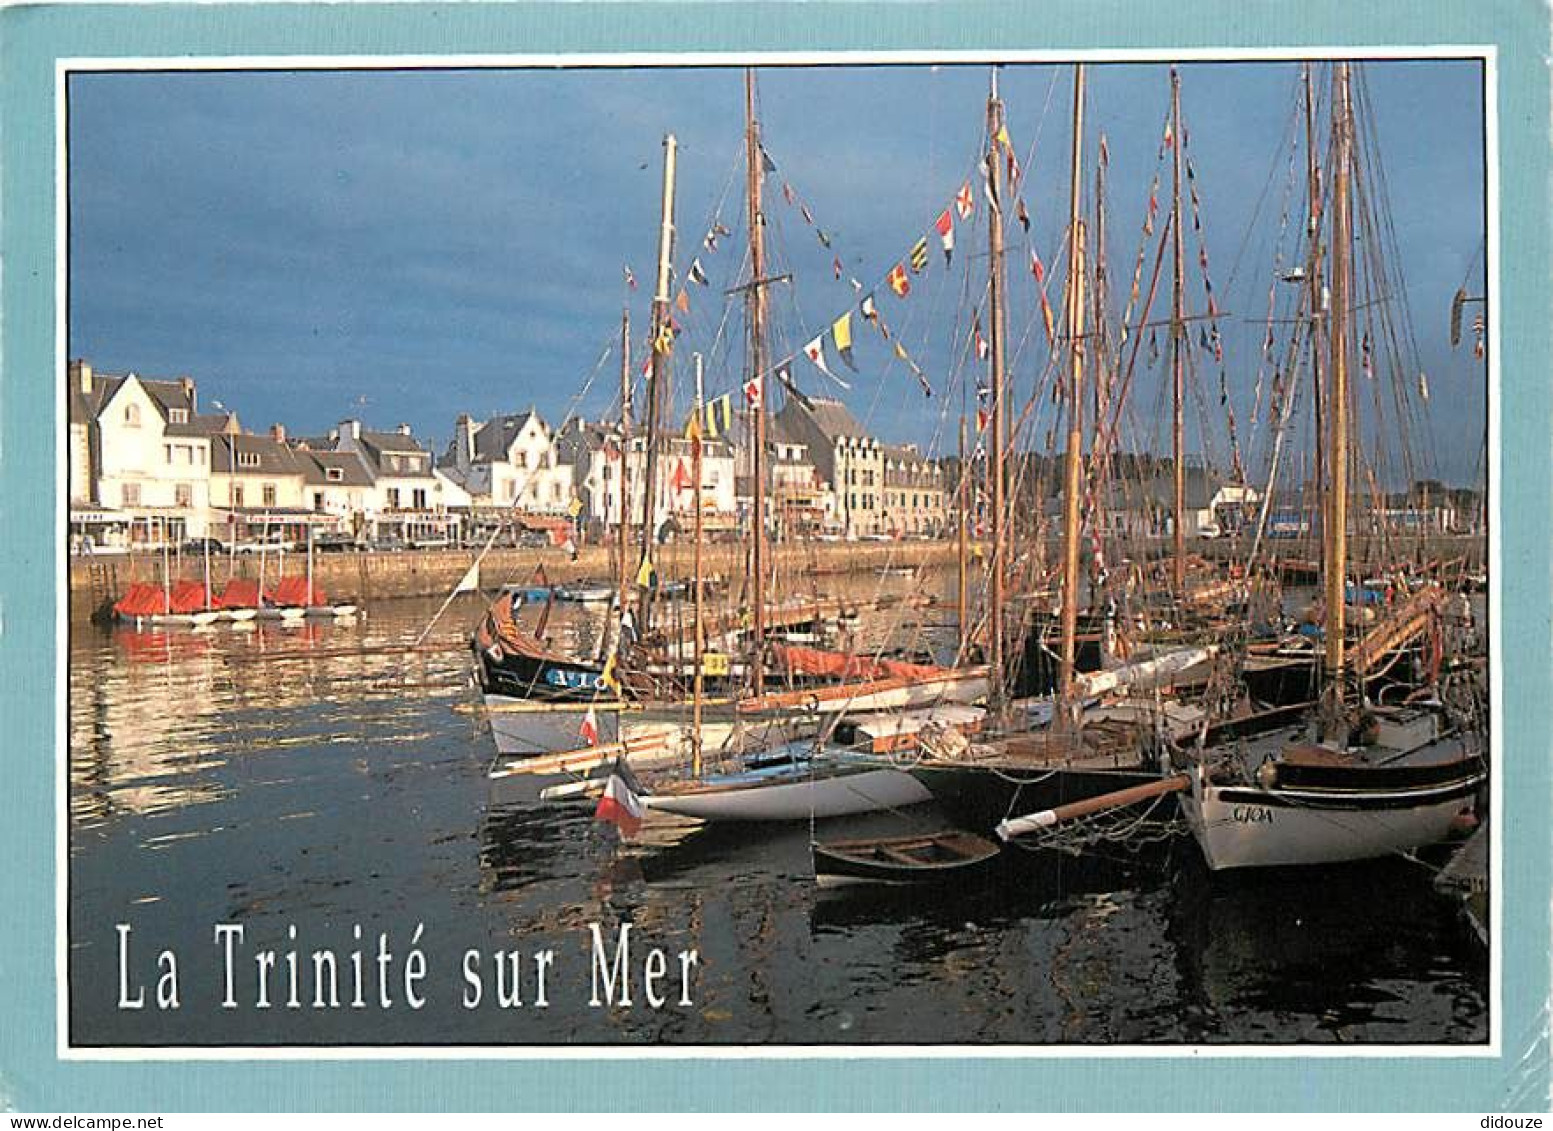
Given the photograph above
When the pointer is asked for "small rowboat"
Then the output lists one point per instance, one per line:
(926, 858)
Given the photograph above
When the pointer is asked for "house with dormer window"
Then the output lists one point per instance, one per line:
(140, 455)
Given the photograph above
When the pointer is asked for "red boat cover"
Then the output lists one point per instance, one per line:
(142, 600)
(842, 665)
(294, 593)
(240, 593)
(191, 597)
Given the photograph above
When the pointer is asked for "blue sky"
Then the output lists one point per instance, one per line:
(404, 246)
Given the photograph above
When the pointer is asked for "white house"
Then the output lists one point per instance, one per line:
(140, 454)
(406, 501)
(510, 461)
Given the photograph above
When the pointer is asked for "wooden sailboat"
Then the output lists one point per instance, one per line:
(1086, 740)
(1356, 780)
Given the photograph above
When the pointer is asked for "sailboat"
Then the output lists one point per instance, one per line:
(1355, 779)
(1102, 732)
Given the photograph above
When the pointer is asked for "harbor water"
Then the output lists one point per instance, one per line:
(324, 791)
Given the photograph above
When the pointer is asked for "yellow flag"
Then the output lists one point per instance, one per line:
(693, 425)
(842, 331)
(608, 678)
(664, 342)
(575, 507)
(646, 575)
(1003, 138)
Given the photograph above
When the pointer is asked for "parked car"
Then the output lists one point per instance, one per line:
(388, 544)
(335, 543)
(200, 545)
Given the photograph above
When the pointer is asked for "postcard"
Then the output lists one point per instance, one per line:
(933, 550)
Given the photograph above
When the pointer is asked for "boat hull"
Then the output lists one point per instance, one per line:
(802, 796)
(1253, 827)
(977, 797)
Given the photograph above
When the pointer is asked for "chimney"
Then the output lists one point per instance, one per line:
(278, 433)
(187, 385)
(403, 430)
(463, 441)
(351, 428)
(81, 376)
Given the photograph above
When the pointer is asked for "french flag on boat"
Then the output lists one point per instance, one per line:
(619, 804)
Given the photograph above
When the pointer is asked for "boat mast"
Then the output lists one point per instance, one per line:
(659, 374)
(1074, 398)
(996, 318)
(1336, 541)
(1313, 179)
(756, 322)
(624, 514)
(700, 640)
(961, 588)
(1177, 340)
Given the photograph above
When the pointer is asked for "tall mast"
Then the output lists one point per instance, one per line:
(961, 588)
(659, 374)
(996, 319)
(1313, 187)
(757, 353)
(1074, 397)
(1336, 541)
(700, 640)
(1177, 341)
(624, 533)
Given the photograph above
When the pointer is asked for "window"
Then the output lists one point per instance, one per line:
(334, 474)
(177, 416)
(247, 459)
(167, 453)
(393, 498)
(237, 494)
(132, 415)
(420, 498)
(130, 493)
(269, 494)
(183, 495)
(318, 500)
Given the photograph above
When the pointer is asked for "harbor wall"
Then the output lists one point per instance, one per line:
(379, 576)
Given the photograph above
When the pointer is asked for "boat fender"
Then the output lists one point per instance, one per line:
(496, 653)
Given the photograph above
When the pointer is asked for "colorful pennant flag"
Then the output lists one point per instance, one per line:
(718, 416)
(899, 282)
(900, 352)
(919, 256)
(964, 202)
(815, 352)
(754, 391)
(590, 727)
(630, 279)
(870, 311)
(1037, 268)
(784, 376)
(664, 342)
(944, 225)
(1046, 317)
(841, 330)
(835, 266)
(1024, 217)
(647, 575)
(682, 301)
(682, 480)
(982, 348)
(697, 275)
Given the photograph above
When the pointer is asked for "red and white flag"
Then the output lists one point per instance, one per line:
(944, 226)
(964, 202)
(620, 806)
(590, 728)
(754, 392)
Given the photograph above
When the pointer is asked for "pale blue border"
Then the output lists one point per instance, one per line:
(30, 1075)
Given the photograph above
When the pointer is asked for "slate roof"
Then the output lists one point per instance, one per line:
(316, 466)
(275, 458)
